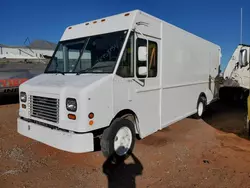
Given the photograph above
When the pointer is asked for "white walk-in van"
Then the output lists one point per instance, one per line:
(117, 79)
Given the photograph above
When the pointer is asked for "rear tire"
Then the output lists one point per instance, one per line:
(118, 140)
(201, 105)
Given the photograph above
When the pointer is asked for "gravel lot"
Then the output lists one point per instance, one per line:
(191, 153)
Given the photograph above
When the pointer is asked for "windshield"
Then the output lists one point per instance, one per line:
(95, 54)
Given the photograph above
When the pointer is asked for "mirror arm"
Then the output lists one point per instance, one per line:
(136, 29)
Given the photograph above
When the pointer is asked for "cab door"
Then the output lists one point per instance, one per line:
(136, 90)
(147, 85)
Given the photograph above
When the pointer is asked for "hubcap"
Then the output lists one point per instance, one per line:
(122, 141)
(200, 108)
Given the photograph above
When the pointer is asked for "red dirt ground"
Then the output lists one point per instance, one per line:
(190, 153)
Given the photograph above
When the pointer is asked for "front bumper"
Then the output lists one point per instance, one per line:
(71, 142)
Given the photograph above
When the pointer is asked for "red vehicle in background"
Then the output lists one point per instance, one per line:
(11, 85)
(14, 74)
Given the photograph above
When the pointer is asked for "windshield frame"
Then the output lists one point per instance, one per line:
(87, 38)
(52, 57)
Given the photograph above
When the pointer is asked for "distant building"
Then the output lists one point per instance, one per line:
(38, 49)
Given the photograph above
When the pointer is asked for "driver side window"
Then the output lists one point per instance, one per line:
(152, 59)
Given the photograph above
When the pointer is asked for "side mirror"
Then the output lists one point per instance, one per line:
(142, 53)
(243, 58)
(143, 71)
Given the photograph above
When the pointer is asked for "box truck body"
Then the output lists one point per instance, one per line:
(116, 77)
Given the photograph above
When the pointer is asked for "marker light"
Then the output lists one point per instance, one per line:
(103, 20)
(91, 115)
(91, 122)
(126, 14)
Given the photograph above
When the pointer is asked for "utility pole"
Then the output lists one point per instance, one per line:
(241, 26)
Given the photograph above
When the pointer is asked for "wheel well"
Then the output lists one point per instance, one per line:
(129, 114)
(203, 95)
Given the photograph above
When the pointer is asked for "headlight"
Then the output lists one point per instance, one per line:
(23, 97)
(71, 104)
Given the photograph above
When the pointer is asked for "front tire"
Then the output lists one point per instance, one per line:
(201, 105)
(118, 140)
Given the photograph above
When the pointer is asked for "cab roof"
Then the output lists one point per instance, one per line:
(109, 24)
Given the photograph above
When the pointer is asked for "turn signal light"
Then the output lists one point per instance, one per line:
(72, 116)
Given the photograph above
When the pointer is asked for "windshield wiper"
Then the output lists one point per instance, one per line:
(83, 71)
(56, 72)
(91, 69)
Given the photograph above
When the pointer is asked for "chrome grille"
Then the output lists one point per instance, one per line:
(44, 108)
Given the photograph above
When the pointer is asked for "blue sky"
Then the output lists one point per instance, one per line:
(215, 20)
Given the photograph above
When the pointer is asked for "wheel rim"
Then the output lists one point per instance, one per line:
(123, 141)
(200, 108)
